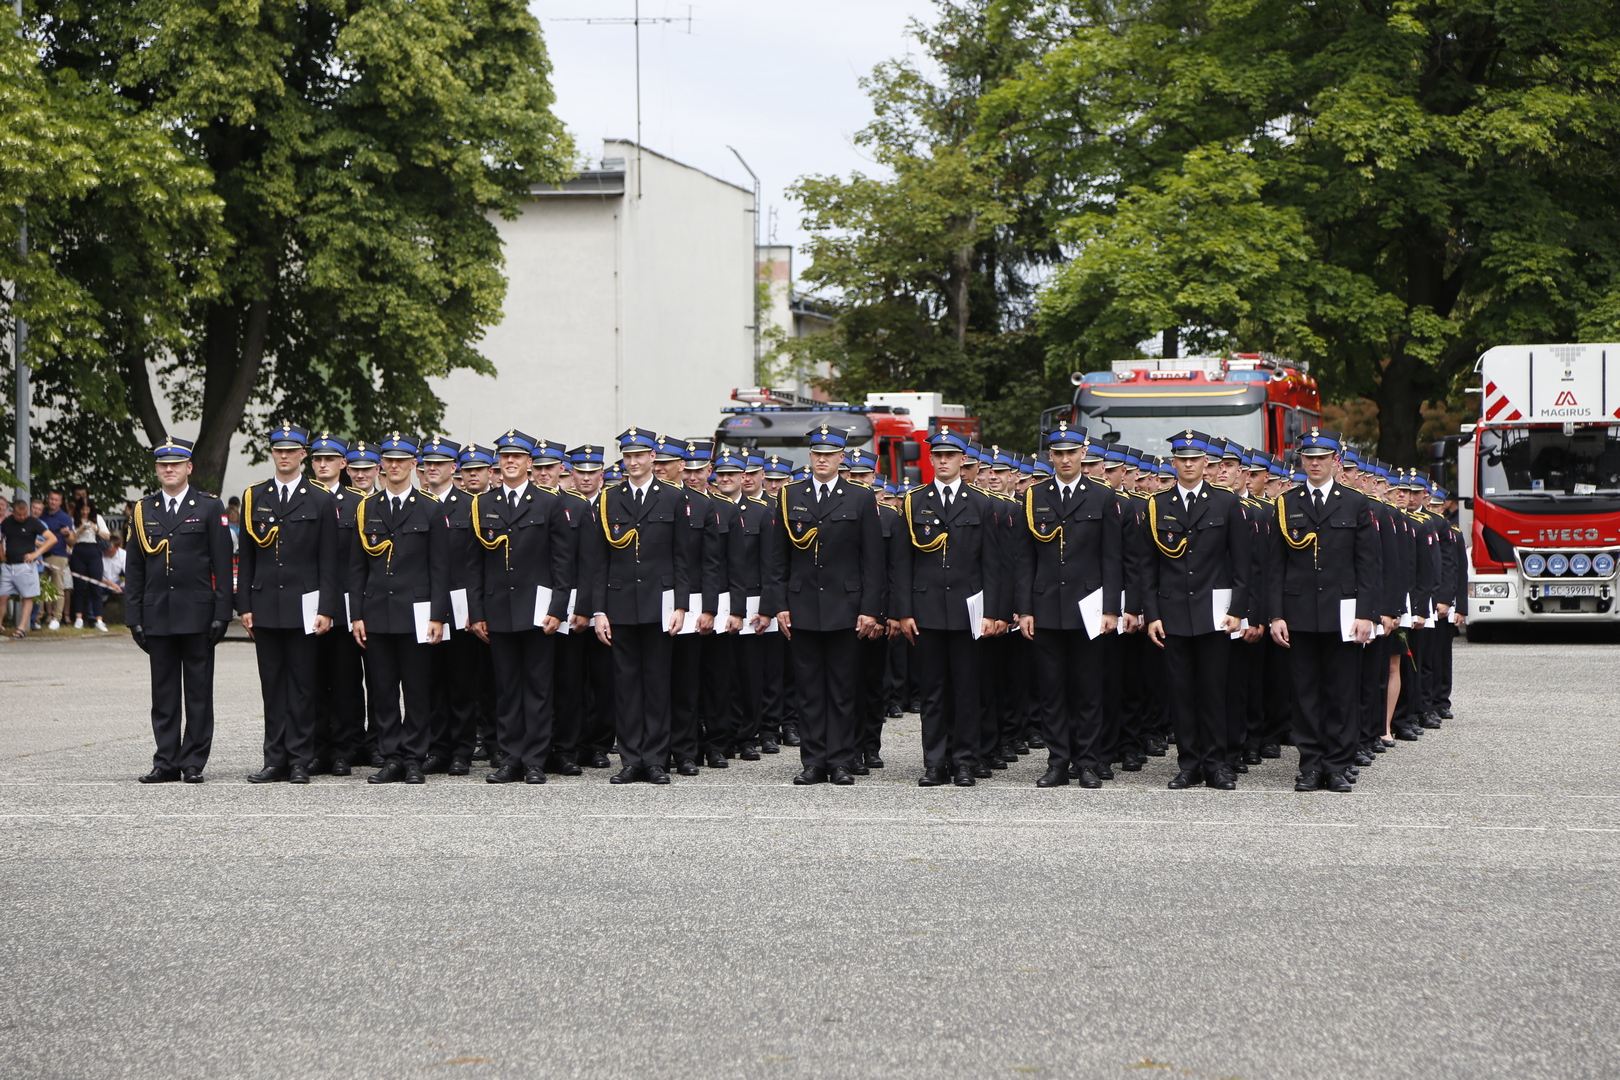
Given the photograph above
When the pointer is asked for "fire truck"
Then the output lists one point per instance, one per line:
(1538, 480)
(893, 426)
(1254, 399)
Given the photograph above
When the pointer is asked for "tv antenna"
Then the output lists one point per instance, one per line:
(634, 20)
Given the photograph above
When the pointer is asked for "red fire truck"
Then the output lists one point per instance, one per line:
(1254, 399)
(893, 426)
(1538, 480)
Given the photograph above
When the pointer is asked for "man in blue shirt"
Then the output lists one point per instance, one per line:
(60, 523)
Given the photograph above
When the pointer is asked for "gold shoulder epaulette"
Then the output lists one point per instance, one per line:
(757, 499)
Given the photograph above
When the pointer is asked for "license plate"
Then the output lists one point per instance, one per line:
(1569, 590)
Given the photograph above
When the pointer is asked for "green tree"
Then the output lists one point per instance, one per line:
(1385, 189)
(355, 151)
(930, 266)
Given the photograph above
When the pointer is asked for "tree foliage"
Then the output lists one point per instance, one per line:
(339, 251)
(1384, 189)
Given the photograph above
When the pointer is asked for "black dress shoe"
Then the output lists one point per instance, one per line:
(966, 776)
(435, 763)
(893, 712)
(1270, 750)
(1237, 766)
(413, 773)
(859, 768)
(459, 766)
(995, 764)
(391, 773)
(1056, 776)
(1444, 714)
(160, 776)
(1088, 778)
(1406, 734)
(598, 760)
(298, 774)
(1186, 778)
(1020, 747)
(1429, 720)
(1074, 771)
(318, 767)
(270, 774)
(811, 776)
(1220, 779)
(191, 774)
(688, 767)
(1007, 752)
(1132, 763)
(1377, 747)
(1308, 781)
(506, 774)
(377, 759)
(1035, 742)
(340, 767)
(630, 774)
(714, 759)
(534, 775)
(873, 761)
(1363, 758)
(1105, 771)
(480, 751)
(841, 776)
(769, 745)
(934, 777)
(746, 752)
(1251, 757)
(790, 735)
(655, 775)
(1157, 747)
(1336, 782)
(981, 770)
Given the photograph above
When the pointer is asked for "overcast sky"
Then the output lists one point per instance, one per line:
(777, 79)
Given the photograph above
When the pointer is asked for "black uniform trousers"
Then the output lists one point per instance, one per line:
(287, 678)
(948, 665)
(182, 678)
(869, 699)
(685, 696)
(1445, 638)
(1111, 653)
(1326, 671)
(525, 671)
(1069, 693)
(568, 692)
(1134, 711)
(1241, 659)
(1195, 681)
(455, 696)
(1374, 688)
(717, 653)
(823, 661)
(641, 673)
(484, 718)
(340, 700)
(895, 674)
(1425, 650)
(778, 681)
(395, 664)
(597, 725)
(1279, 697)
(748, 687)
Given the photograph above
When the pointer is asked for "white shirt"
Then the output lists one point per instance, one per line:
(1187, 495)
(285, 490)
(638, 492)
(112, 564)
(823, 488)
(1311, 490)
(396, 503)
(514, 494)
(175, 501)
(1066, 491)
(954, 487)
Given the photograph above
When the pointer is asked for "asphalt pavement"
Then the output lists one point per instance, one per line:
(1454, 917)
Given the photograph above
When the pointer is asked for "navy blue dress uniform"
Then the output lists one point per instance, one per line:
(736, 722)
(402, 560)
(521, 569)
(1070, 546)
(1432, 530)
(177, 596)
(1201, 539)
(828, 571)
(455, 661)
(1453, 591)
(340, 693)
(780, 724)
(475, 456)
(289, 554)
(1325, 562)
(634, 569)
(583, 733)
(950, 574)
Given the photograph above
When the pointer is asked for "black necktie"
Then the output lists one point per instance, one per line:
(284, 490)
(639, 492)
(1316, 493)
(511, 496)
(1063, 498)
(821, 492)
(948, 490)
(174, 504)
(399, 503)
(1187, 500)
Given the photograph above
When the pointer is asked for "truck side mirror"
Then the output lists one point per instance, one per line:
(913, 473)
(910, 451)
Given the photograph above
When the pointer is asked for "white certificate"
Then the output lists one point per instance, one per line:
(312, 601)
(1243, 624)
(542, 604)
(1091, 613)
(420, 610)
(573, 598)
(1119, 627)
(458, 608)
(722, 612)
(1347, 619)
(975, 606)
(750, 609)
(1221, 602)
(666, 608)
(694, 608)
(1406, 615)
(347, 618)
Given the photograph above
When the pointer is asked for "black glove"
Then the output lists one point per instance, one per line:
(140, 638)
(216, 632)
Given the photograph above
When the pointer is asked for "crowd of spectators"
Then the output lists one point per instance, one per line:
(63, 540)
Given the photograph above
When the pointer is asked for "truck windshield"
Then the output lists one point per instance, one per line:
(1149, 427)
(1546, 462)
